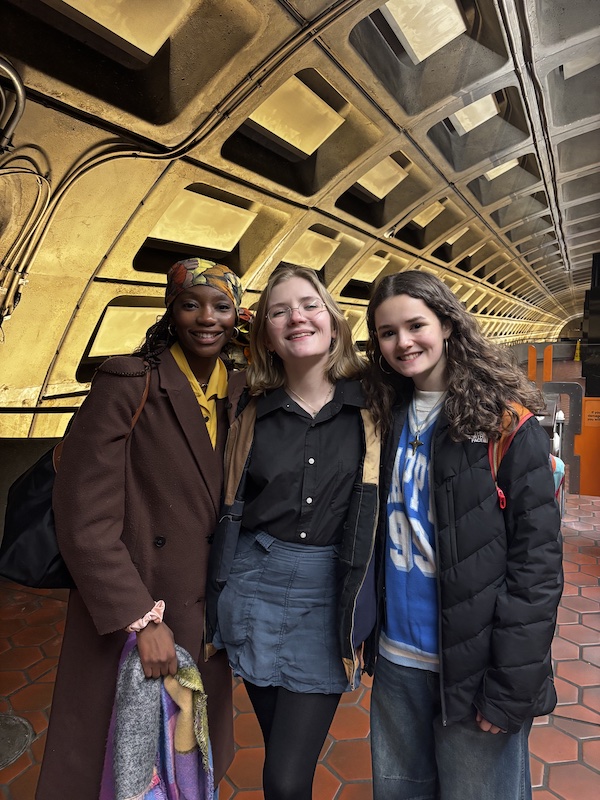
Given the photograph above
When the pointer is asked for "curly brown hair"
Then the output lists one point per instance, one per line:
(483, 377)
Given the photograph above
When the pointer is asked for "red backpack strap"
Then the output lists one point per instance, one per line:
(497, 449)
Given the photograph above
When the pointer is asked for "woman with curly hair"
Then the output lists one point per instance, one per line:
(468, 591)
(289, 579)
(135, 505)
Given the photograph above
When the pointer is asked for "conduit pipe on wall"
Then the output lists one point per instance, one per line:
(6, 134)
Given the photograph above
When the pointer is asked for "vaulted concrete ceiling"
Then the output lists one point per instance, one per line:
(360, 138)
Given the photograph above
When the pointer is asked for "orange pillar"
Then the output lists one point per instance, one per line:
(587, 447)
(532, 363)
(548, 363)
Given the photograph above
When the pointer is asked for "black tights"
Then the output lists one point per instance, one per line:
(294, 727)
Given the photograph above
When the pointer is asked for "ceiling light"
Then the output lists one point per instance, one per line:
(203, 221)
(423, 28)
(138, 27)
(475, 114)
(382, 178)
(428, 214)
(123, 329)
(312, 250)
(474, 250)
(456, 236)
(501, 169)
(370, 268)
(296, 117)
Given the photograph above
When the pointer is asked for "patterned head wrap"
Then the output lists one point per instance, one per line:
(200, 272)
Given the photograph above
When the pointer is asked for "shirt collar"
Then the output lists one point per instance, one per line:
(347, 393)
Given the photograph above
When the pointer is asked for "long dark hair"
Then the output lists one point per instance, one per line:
(483, 378)
(158, 338)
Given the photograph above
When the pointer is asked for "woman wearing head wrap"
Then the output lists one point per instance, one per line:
(135, 505)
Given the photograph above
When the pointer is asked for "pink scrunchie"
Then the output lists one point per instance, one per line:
(154, 615)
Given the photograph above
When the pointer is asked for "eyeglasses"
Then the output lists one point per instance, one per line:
(279, 316)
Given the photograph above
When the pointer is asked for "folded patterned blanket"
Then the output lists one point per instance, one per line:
(158, 746)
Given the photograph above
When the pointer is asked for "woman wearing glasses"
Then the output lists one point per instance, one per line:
(290, 595)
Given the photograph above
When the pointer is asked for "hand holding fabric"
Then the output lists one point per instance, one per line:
(156, 647)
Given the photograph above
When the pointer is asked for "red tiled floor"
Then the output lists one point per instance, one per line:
(565, 745)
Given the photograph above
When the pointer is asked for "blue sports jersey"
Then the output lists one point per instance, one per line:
(410, 632)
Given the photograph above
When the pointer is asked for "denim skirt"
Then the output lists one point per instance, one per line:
(277, 615)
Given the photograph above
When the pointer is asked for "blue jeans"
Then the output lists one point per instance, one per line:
(416, 758)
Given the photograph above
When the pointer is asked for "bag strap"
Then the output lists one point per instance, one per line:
(497, 449)
(140, 408)
(57, 452)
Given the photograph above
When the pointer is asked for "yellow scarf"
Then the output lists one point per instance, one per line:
(216, 389)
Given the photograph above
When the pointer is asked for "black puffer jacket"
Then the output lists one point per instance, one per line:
(499, 573)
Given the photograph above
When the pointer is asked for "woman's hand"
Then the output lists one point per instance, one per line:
(487, 726)
(156, 647)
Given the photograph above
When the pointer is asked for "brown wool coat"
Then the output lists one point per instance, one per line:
(133, 516)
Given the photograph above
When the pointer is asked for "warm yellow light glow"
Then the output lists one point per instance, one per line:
(501, 169)
(423, 28)
(312, 250)
(382, 178)
(428, 214)
(138, 27)
(123, 329)
(475, 114)
(370, 268)
(297, 116)
(475, 249)
(203, 221)
(456, 236)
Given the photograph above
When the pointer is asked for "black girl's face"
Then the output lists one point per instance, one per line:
(203, 318)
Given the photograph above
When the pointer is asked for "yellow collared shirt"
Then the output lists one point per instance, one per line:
(216, 389)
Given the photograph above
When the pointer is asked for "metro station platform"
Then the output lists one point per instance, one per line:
(565, 746)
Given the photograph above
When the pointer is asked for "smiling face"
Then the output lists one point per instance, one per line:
(299, 337)
(411, 339)
(203, 318)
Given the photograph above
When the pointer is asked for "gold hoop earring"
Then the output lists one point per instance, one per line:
(385, 371)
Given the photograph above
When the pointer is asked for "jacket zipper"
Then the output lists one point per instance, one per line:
(452, 521)
(437, 576)
(371, 551)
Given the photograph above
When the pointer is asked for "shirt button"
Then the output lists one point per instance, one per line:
(303, 535)
(309, 500)
(311, 461)
(160, 541)
(206, 419)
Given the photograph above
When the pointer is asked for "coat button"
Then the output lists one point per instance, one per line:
(160, 541)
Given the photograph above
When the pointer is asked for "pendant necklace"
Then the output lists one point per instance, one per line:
(313, 411)
(415, 426)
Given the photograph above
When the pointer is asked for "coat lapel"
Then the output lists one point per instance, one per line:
(189, 415)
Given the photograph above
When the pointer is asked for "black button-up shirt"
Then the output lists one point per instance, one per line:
(302, 469)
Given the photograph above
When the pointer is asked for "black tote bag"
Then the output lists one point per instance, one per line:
(29, 553)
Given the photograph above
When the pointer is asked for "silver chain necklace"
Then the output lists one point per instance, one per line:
(313, 411)
(415, 425)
